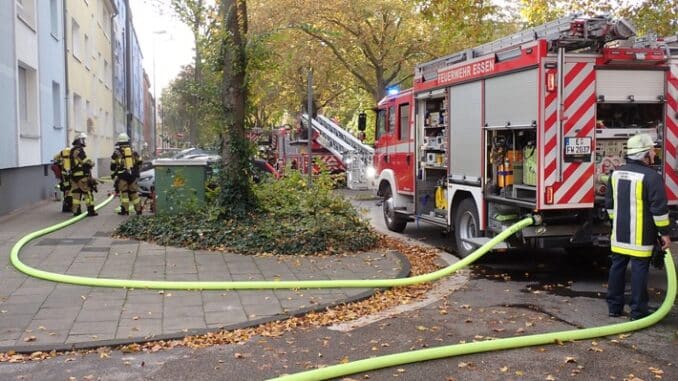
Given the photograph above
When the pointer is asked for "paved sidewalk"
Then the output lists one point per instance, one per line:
(37, 315)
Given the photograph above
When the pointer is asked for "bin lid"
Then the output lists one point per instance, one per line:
(179, 162)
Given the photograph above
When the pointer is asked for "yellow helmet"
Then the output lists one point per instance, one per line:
(122, 138)
(639, 143)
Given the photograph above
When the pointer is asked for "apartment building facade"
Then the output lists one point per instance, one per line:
(149, 120)
(89, 57)
(129, 90)
(32, 83)
(66, 67)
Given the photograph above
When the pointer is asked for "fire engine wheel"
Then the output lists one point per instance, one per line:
(465, 226)
(393, 220)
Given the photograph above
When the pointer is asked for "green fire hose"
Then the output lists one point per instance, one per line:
(241, 285)
(376, 362)
(498, 344)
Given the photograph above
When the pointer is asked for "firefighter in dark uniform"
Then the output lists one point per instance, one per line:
(82, 181)
(636, 202)
(125, 168)
(61, 166)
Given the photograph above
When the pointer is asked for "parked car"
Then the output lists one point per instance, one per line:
(261, 167)
(146, 182)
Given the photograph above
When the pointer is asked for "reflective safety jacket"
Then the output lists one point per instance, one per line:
(635, 200)
(82, 165)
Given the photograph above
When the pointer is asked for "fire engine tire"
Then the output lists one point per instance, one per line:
(466, 225)
(394, 221)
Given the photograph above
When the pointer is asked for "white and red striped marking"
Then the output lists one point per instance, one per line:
(575, 188)
(550, 137)
(671, 136)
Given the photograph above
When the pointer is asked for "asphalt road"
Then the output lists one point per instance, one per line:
(504, 295)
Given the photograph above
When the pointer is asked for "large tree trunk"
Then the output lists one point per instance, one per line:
(236, 195)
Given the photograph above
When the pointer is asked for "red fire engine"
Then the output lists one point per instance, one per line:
(337, 149)
(527, 124)
(290, 149)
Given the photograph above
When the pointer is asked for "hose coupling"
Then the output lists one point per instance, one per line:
(537, 219)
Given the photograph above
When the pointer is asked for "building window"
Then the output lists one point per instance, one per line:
(87, 58)
(23, 95)
(75, 38)
(100, 69)
(77, 113)
(107, 76)
(89, 121)
(54, 18)
(56, 105)
(106, 21)
(27, 101)
(25, 10)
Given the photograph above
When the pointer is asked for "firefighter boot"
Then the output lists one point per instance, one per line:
(123, 211)
(67, 205)
(91, 212)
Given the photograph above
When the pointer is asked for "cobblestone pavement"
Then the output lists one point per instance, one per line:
(42, 315)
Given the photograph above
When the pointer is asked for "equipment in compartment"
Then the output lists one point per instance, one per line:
(436, 142)
(515, 158)
(609, 156)
(508, 164)
(501, 217)
(433, 156)
(441, 195)
(530, 164)
(511, 169)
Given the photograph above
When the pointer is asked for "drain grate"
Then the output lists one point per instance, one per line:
(93, 249)
(63, 241)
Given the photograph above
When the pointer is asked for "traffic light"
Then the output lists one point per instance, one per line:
(362, 121)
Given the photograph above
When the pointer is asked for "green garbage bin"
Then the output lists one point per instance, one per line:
(179, 183)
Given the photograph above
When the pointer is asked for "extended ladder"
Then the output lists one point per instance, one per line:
(569, 32)
(356, 156)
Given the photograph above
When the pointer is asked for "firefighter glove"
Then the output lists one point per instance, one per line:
(93, 184)
(657, 259)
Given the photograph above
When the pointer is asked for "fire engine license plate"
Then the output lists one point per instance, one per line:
(577, 146)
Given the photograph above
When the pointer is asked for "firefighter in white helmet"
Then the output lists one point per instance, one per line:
(636, 202)
(125, 167)
(83, 185)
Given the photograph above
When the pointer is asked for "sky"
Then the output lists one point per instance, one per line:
(172, 49)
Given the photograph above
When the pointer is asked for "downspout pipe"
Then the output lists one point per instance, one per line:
(67, 107)
(128, 69)
(111, 32)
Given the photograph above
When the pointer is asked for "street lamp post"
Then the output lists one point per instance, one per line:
(155, 97)
(310, 125)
